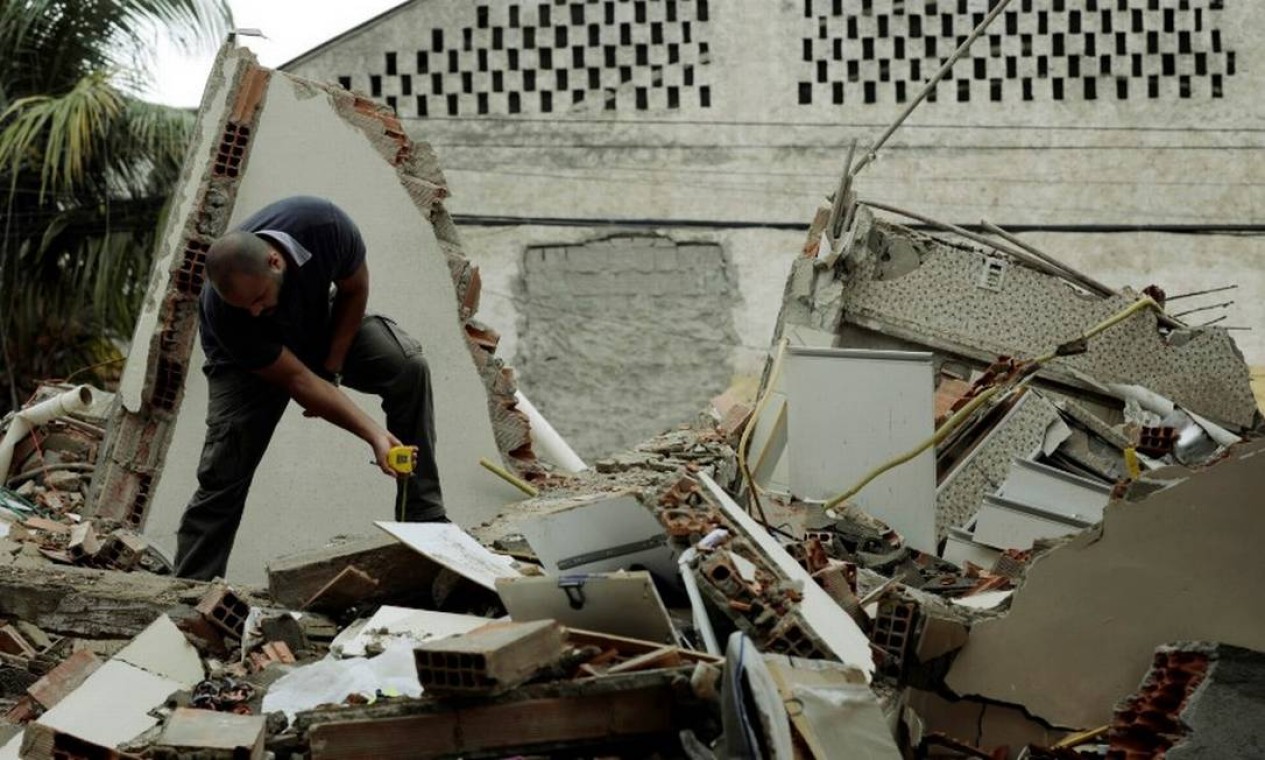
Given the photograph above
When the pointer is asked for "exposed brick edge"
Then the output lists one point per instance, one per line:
(418, 170)
(1148, 723)
(135, 447)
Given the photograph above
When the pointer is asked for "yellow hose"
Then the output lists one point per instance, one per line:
(954, 422)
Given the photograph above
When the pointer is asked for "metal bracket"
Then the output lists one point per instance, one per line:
(612, 552)
(573, 587)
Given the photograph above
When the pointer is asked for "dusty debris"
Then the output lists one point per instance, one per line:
(974, 492)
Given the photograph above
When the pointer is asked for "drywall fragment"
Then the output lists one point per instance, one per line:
(112, 706)
(623, 604)
(215, 735)
(390, 624)
(163, 650)
(840, 714)
(960, 548)
(851, 411)
(450, 546)
(1009, 524)
(1055, 490)
(1082, 627)
(827, 620)
(601, 534)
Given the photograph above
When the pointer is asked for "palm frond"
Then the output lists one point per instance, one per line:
(62, 133)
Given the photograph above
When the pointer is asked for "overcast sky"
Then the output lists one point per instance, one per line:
(292, 27)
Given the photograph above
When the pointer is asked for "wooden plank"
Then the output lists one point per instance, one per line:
(506, 727)
(627, 647)
(664, 657)
(401, 573)
(49, 526)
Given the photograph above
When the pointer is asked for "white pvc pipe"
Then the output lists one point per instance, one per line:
(699, 612)
(546, 440)
(75, 400)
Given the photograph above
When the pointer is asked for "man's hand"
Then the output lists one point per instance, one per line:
(327, 402)
(381, 445)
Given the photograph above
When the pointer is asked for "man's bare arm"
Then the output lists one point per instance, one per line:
(322, 399)
(349, 309)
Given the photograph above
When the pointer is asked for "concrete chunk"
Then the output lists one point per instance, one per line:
(65, 678)
(215, 734)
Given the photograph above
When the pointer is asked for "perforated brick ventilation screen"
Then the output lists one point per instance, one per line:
(544, 57)
(881, 51)
(623, 338)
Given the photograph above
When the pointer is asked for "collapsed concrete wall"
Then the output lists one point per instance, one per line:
(1081, 629)
(975, 305)
(263, 136)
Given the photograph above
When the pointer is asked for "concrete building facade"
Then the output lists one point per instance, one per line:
(603, 154)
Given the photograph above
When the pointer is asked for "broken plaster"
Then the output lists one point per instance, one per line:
(941, 304)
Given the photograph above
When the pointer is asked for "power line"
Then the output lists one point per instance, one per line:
(481, 220)
(1027, 180)
(830, 147)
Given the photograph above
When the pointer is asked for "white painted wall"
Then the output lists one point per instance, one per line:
(316, 482)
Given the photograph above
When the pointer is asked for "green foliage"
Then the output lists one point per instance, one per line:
(85, 170)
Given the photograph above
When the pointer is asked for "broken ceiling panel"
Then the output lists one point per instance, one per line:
(954, 299)
(277, 135)
(1083, 626)
(1021, 432)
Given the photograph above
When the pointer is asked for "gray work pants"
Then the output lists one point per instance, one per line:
(243, 411)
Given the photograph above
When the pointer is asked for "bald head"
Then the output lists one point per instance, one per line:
(234, 254)
(246, 271)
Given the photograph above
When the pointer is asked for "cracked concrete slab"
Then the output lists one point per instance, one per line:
(1083, 625)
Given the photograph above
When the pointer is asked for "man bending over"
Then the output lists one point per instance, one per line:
(271, 333)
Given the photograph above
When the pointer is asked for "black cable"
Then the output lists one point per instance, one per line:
(482, 220)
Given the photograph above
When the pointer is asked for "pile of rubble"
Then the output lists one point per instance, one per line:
(633, 610)
(49, 453)
(982, 506)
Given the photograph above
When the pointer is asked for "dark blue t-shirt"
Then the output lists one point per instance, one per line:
(321, 244)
